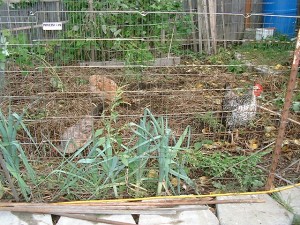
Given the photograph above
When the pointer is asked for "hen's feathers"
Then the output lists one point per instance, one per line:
(238, 110)
(103, 87)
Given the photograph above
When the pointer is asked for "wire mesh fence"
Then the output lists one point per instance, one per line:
(108, 99)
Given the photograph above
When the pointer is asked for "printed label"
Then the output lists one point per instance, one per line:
(52, 26)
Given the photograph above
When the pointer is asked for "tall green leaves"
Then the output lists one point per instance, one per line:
(13, 152)
(110, 166)
(155, 138)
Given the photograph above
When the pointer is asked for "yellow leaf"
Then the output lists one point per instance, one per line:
(278, 67)
(268, 135)
(152, 173)
(203, 180)
(174, 181)
(199, 86)
(253, 144)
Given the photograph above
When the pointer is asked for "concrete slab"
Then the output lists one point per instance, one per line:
(292, 197)
(118, 218)
(268, 213)
(13, 218)
(182, 217)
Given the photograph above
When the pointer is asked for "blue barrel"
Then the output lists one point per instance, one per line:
(283, 25)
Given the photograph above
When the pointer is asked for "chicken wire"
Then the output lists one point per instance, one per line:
(154, 69)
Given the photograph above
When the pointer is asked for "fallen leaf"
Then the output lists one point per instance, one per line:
(203, 181)
(152, 173)
(278, 67)
(199, 86)
(253, 144)
(286, 142)
(268, 135)
(2, 190)
(205, 130)
(269, 129)
(174, 181)
(296, 142)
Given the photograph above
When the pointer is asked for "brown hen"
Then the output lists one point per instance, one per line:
(103, 87)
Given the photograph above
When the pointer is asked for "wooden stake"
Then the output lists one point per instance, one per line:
(92, 18)
(207, 26)
(213, 22)
(223, 23)
(248, 9)
(193, 28)
(199, 26)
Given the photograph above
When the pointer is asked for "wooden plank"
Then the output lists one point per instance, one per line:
(89, 210)
(212, 19)
(248, 9)
(159, 62)
(113, 63)
(223, 24)
(130, 204)
(91, 28)
(240, 20)
(204, 4)
(199, 10)
(30, 27)
(193, 28)
(170, 61)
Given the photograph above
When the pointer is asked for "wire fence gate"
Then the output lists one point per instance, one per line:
(105, 99)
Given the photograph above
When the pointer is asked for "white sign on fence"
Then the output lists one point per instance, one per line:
(52, 26)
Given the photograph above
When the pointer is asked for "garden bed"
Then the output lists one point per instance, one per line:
(187, 95)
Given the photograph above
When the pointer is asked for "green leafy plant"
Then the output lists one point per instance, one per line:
(242, 168)
(155, 136)
(224, 56)
(23, 4)
(236, 66)
(3, 51)
(18, 49)
(102, 155)
(279, 100)
(137, 26)
(296, 102)
(13, 152)
(112, 165)
(100, 169)
(271, 52)
(199, 144)
(24, 56)
(211, 120)
(296, 220)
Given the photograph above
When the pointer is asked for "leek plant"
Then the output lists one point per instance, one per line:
(104, 168)
(13, 152)
(156, 138)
